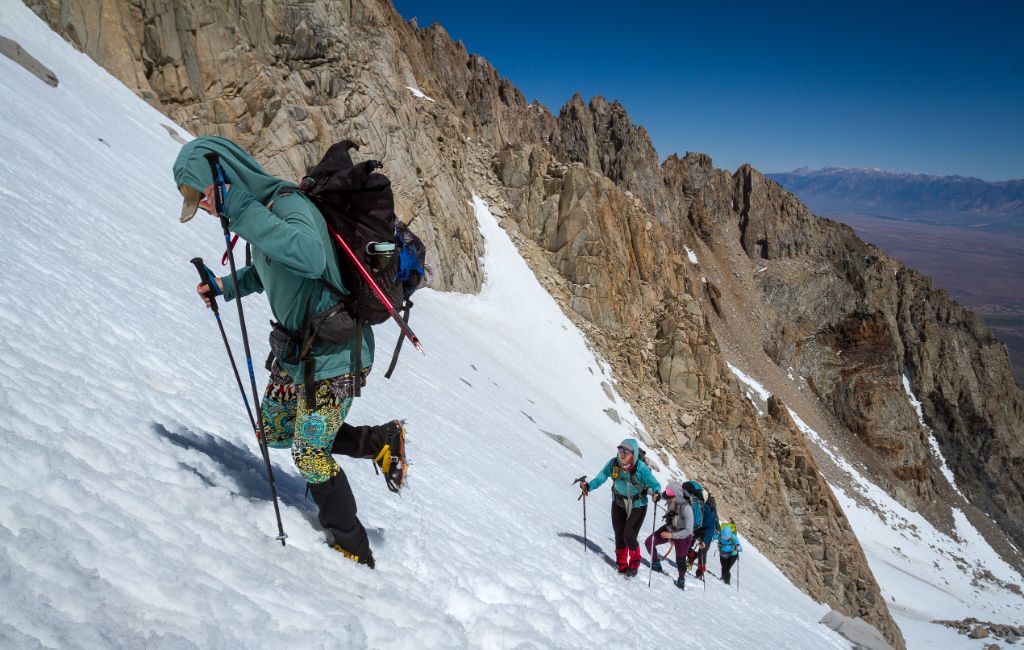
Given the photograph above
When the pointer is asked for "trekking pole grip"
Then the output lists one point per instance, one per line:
(204, 278)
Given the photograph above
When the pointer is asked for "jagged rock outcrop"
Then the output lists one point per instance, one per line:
(602, 241)
(16, 53)
(604, 139)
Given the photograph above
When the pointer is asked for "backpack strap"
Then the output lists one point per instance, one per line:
(357, 365)
(307, 359)
(401, 340)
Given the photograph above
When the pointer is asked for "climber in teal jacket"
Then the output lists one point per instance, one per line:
(291, 254)
(631, 480)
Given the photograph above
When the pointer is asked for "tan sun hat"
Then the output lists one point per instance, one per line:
(191, 204)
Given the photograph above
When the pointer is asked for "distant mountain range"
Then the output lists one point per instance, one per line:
(965, 233)
(947, 200)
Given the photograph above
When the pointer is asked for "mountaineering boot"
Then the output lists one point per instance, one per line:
(337, 515)
(681, 582)
(725, 579)
(622, 559)
(656, 566)
(383, 443)
(366, 557)
(391, 457)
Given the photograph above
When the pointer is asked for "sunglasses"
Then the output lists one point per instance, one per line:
(625, 451)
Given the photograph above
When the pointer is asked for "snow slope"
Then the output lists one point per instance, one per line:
(133, 508)
(924, 574)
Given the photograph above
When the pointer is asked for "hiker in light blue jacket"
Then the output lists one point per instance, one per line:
(729, 548)
(631, 480)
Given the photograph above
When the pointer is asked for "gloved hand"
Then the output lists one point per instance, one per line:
(656, 497)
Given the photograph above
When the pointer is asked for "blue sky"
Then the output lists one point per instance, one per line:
(933, 87)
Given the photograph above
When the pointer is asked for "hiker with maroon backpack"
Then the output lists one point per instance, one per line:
(678, 530)
(311, 389)
(631, 481)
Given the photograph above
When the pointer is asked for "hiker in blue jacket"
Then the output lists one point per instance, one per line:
(704, 536)
(729, 548)
(632, 478)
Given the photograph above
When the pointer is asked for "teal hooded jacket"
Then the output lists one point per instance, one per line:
(623, 485)
(291, 248)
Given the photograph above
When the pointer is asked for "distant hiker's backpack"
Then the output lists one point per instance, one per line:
(696, 493)
(727, 539)
(694, 488)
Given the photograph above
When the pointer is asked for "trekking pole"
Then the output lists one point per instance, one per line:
(402, 325)
(704, 576)
(654, 546)
(218, 199)
(583, 479)
(205, 279)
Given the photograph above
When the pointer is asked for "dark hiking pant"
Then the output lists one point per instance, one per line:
(362, 441)
(627, 525)
(727, 562)
(681, 546)
(697, 554)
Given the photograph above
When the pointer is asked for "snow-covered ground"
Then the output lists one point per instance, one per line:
(924, 574)
(133, 507)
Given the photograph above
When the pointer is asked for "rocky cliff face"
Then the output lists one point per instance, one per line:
(853, 322)
(606, 227)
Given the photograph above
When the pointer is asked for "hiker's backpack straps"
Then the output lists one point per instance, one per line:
(698, 512)
(634, 480)
(398, 344)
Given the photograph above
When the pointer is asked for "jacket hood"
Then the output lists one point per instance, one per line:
(634, 445)
(192, 169)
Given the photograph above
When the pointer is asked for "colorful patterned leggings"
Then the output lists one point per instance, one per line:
(289, 422)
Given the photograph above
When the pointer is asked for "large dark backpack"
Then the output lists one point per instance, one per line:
(357, 203)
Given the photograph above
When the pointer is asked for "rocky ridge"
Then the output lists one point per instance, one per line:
(606, 229)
